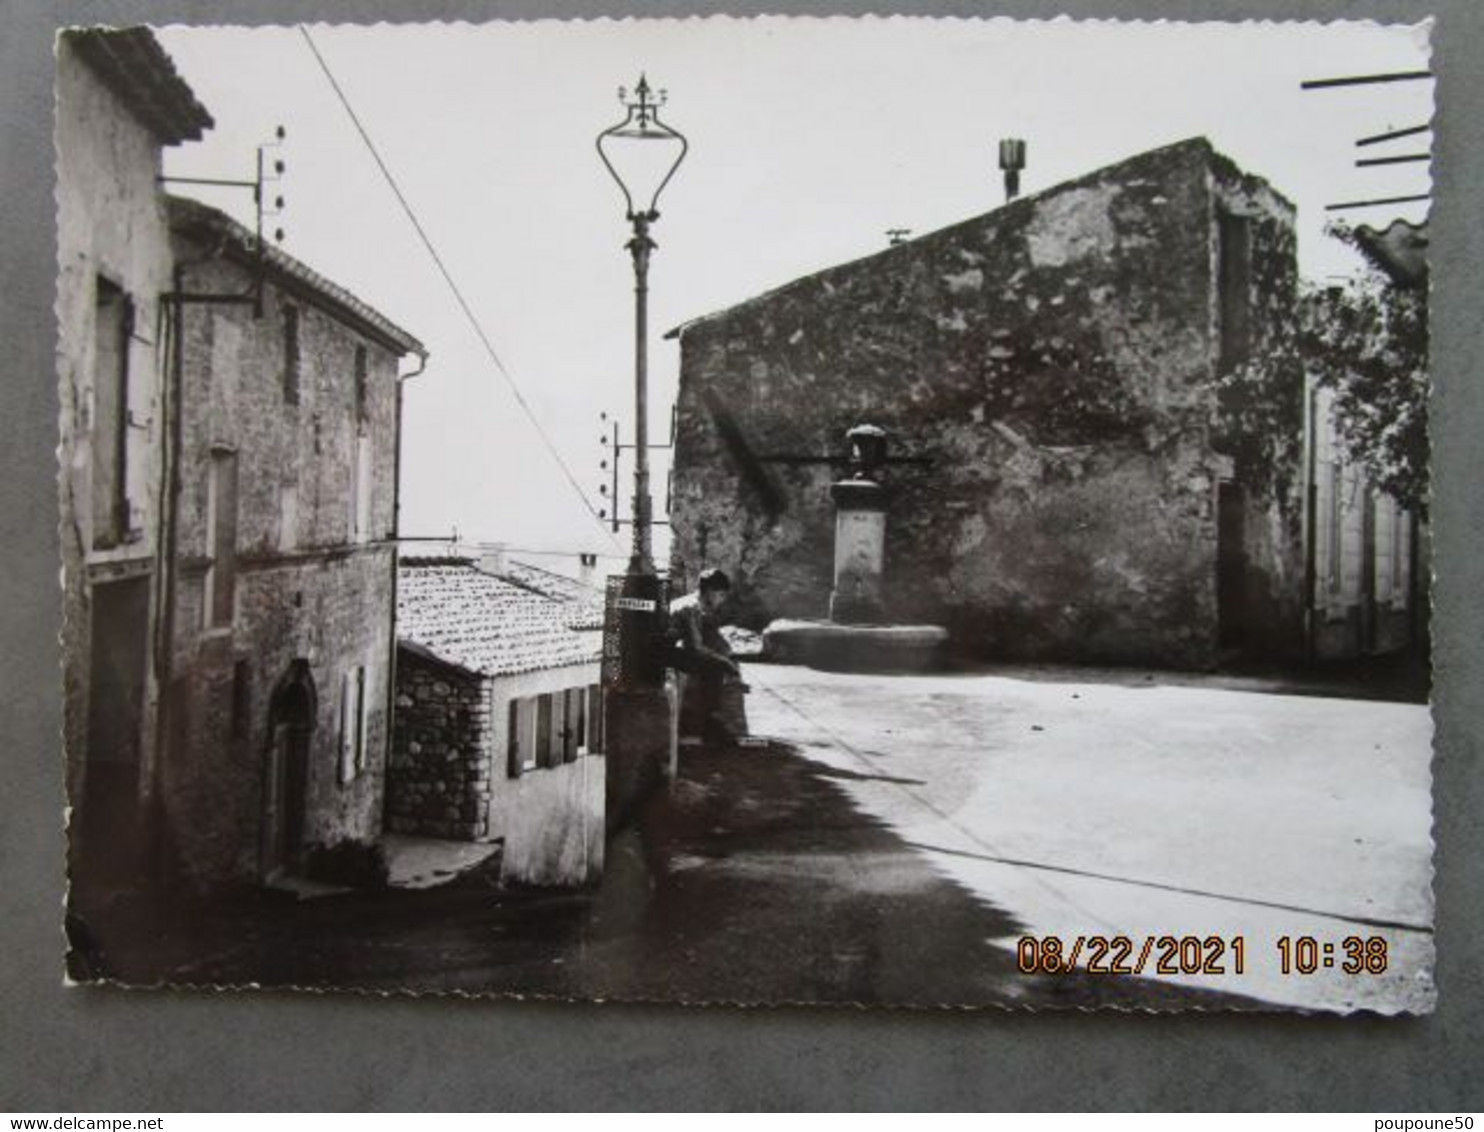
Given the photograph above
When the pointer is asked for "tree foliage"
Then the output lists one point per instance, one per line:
(1368, 342)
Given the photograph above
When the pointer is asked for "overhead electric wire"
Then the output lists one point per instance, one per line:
(448, 278)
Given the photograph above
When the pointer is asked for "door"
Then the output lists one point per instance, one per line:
(108, 825)
(291, 730)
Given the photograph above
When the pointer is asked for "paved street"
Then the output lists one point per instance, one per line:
(895, 839)
(1144, 804)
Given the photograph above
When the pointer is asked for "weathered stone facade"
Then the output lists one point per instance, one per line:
(1091, 494)
(118, 102)
(282, 592)
(228, 509)
(438, 778)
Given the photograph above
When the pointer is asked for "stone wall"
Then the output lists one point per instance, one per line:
(306, 589)
(1057, 361)
(438, 779)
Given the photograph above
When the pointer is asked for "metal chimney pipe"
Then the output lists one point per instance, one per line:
(1012, 161)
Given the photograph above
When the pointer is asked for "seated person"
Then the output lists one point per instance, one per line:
(711, 686)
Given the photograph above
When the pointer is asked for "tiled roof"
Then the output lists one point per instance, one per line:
(485, 624)
(191, 217)
(585, 601)
(133, 65)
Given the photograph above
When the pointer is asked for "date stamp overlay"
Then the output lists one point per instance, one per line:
(1195, 955)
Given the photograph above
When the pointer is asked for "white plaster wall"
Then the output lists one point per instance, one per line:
(111, 221)
(552, 818)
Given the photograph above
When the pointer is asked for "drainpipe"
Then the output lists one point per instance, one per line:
(166, 547)
(391, 668)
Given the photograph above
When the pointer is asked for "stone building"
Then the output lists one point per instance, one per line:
(1107, 470)
(119, 102)
(498, 721)
(283, 514)
(1365, 554)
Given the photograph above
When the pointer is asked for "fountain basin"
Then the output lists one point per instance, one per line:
(837, 647)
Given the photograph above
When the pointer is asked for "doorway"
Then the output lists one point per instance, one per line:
(108, 821)
(291, 718)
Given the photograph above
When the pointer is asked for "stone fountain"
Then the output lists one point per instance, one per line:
(858, 636)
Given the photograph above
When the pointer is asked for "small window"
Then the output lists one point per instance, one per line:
(288, 517)
(220, 605)
(361, 476)
(1234, 298)
(363, 394)
(1335, 532)
(241, 698)
(113, 327)
(521, 744)
(291, 359)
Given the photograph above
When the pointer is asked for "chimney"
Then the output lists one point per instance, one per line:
(492, 558)
(1012, 161)
(587, 569)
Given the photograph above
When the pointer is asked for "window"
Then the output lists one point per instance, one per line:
(355, 700)
(288, 517)
(360, 491)
(291, 359)
(544, 731)
(1234, 280)
(112, 328)
(220, 603)
(363, 396)
(521, 747)
(241, 698)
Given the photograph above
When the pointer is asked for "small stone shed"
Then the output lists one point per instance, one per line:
(497, 726)
(1111, 475)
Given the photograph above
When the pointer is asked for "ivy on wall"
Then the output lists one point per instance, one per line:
(1368, 341)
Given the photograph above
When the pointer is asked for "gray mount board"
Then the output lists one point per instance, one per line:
(91, 1049)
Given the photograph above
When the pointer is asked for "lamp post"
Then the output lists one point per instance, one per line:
(641, 153)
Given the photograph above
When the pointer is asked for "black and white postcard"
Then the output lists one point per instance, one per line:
(872, 511)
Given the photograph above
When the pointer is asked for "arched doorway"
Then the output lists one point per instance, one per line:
(291, 716)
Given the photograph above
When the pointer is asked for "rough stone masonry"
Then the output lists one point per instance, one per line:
(1094, 493)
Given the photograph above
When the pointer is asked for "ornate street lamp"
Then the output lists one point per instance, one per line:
(642, 154)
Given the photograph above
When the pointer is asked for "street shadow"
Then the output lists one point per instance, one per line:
(752, 879)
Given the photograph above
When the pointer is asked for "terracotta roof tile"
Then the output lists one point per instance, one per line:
(132, 64)
(486, 624)
(191, 217)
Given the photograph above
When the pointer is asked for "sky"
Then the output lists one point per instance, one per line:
(809, 139)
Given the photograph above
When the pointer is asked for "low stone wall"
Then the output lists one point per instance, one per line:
(438, 777)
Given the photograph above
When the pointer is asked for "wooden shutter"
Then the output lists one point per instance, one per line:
(363, 715)
(544, 753)
(514, 756)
